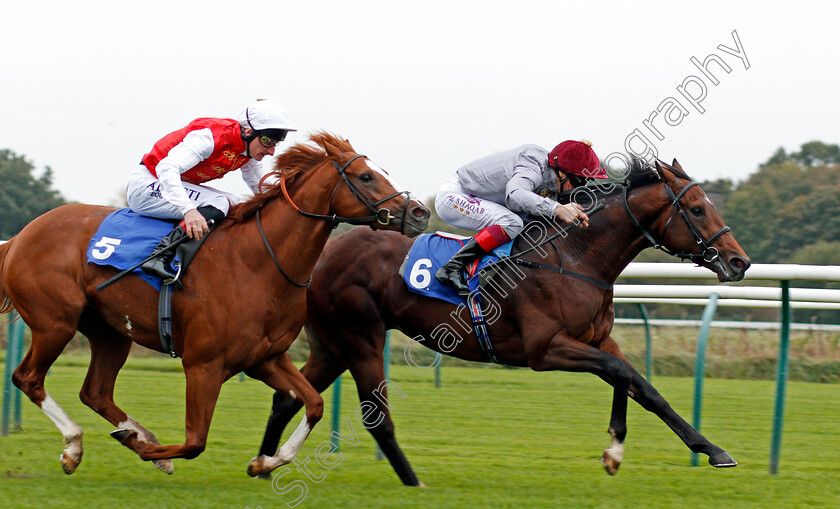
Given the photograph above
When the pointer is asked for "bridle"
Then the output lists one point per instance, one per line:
(709, 254)
(379, 215)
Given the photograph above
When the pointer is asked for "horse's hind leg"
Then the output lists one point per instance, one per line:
(29, 378)
(109, 351)
(281, 375)
(649, 398)
(204, 382)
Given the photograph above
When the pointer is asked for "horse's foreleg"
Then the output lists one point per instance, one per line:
(321, 370)
(649, 398)
(567, 354)
(204, 383)
(108, 355)
(376, 415)
(281, 375)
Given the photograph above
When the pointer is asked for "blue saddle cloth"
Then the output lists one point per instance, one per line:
(431, 251)
(125, 239)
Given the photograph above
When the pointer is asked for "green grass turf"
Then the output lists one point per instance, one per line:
(486, 438)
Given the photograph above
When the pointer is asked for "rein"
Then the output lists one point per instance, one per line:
(381, 216)
(709, 254)
(274, 257)
(517, 258)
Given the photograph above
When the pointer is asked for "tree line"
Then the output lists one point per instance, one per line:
(23, 196)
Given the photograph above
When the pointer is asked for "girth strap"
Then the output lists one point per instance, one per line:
(480, 327)
(165, 319)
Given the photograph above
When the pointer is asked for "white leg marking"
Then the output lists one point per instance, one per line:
(142, 433)
(145, 435)
(292, 394)
(289, 450)
(616, 450)
(71, 431)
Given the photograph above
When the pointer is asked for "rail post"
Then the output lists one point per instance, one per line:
(11, 394)
(781, 380)
(700, 365)
(648, 346)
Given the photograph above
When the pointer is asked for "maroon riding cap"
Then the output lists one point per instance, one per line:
(576, 158)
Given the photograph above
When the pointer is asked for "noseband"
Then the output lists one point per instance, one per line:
(709, 254)
(381, 216)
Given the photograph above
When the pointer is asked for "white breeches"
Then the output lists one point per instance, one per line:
(458, 208)
(144, 196)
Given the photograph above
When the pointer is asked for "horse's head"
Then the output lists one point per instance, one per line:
(364, 190)
(690, 227)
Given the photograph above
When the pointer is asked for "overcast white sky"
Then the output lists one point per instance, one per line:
(420, 87)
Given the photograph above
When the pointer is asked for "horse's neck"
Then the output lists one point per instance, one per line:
(297, 239)
(612, 241)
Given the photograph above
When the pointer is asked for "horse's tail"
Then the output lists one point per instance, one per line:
(5, 303)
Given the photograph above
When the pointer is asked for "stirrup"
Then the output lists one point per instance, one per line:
(176, 279)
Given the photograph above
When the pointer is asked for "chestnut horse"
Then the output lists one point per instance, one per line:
(547, 320)
(242, 305)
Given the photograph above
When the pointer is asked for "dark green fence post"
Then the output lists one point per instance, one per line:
(648, 347)
(700, 364)
(14, 354)
(781, 380)
(336, 411)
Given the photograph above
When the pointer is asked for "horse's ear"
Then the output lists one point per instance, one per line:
(332, 150)
(661, 167)
(658, 168)
(676, 165)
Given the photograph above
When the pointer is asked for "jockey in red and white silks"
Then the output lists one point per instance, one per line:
(494, 193)
(169, 182)
(161, 186)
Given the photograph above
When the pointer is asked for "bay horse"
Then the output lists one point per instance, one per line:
(242, 304)
(546, 320)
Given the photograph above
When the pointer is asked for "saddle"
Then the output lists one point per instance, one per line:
(124, 240)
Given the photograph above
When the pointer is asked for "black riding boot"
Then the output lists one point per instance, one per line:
(451, 273)
(161, 265)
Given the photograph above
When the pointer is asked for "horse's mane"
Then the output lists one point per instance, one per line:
(639, 173)
(298, 159)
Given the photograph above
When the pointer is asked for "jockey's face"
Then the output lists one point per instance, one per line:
(257, 150)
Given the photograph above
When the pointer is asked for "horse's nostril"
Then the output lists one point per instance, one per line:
(421, 213)
(739, 264)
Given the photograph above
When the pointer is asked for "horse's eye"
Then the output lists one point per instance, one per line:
(698, 211)
(365, 177)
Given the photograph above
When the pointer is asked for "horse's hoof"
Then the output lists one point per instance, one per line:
(722, 460)
(257, 468)
(164, 465)
(610, 464)
(69, 464)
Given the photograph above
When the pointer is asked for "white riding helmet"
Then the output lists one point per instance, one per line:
(263, 114)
